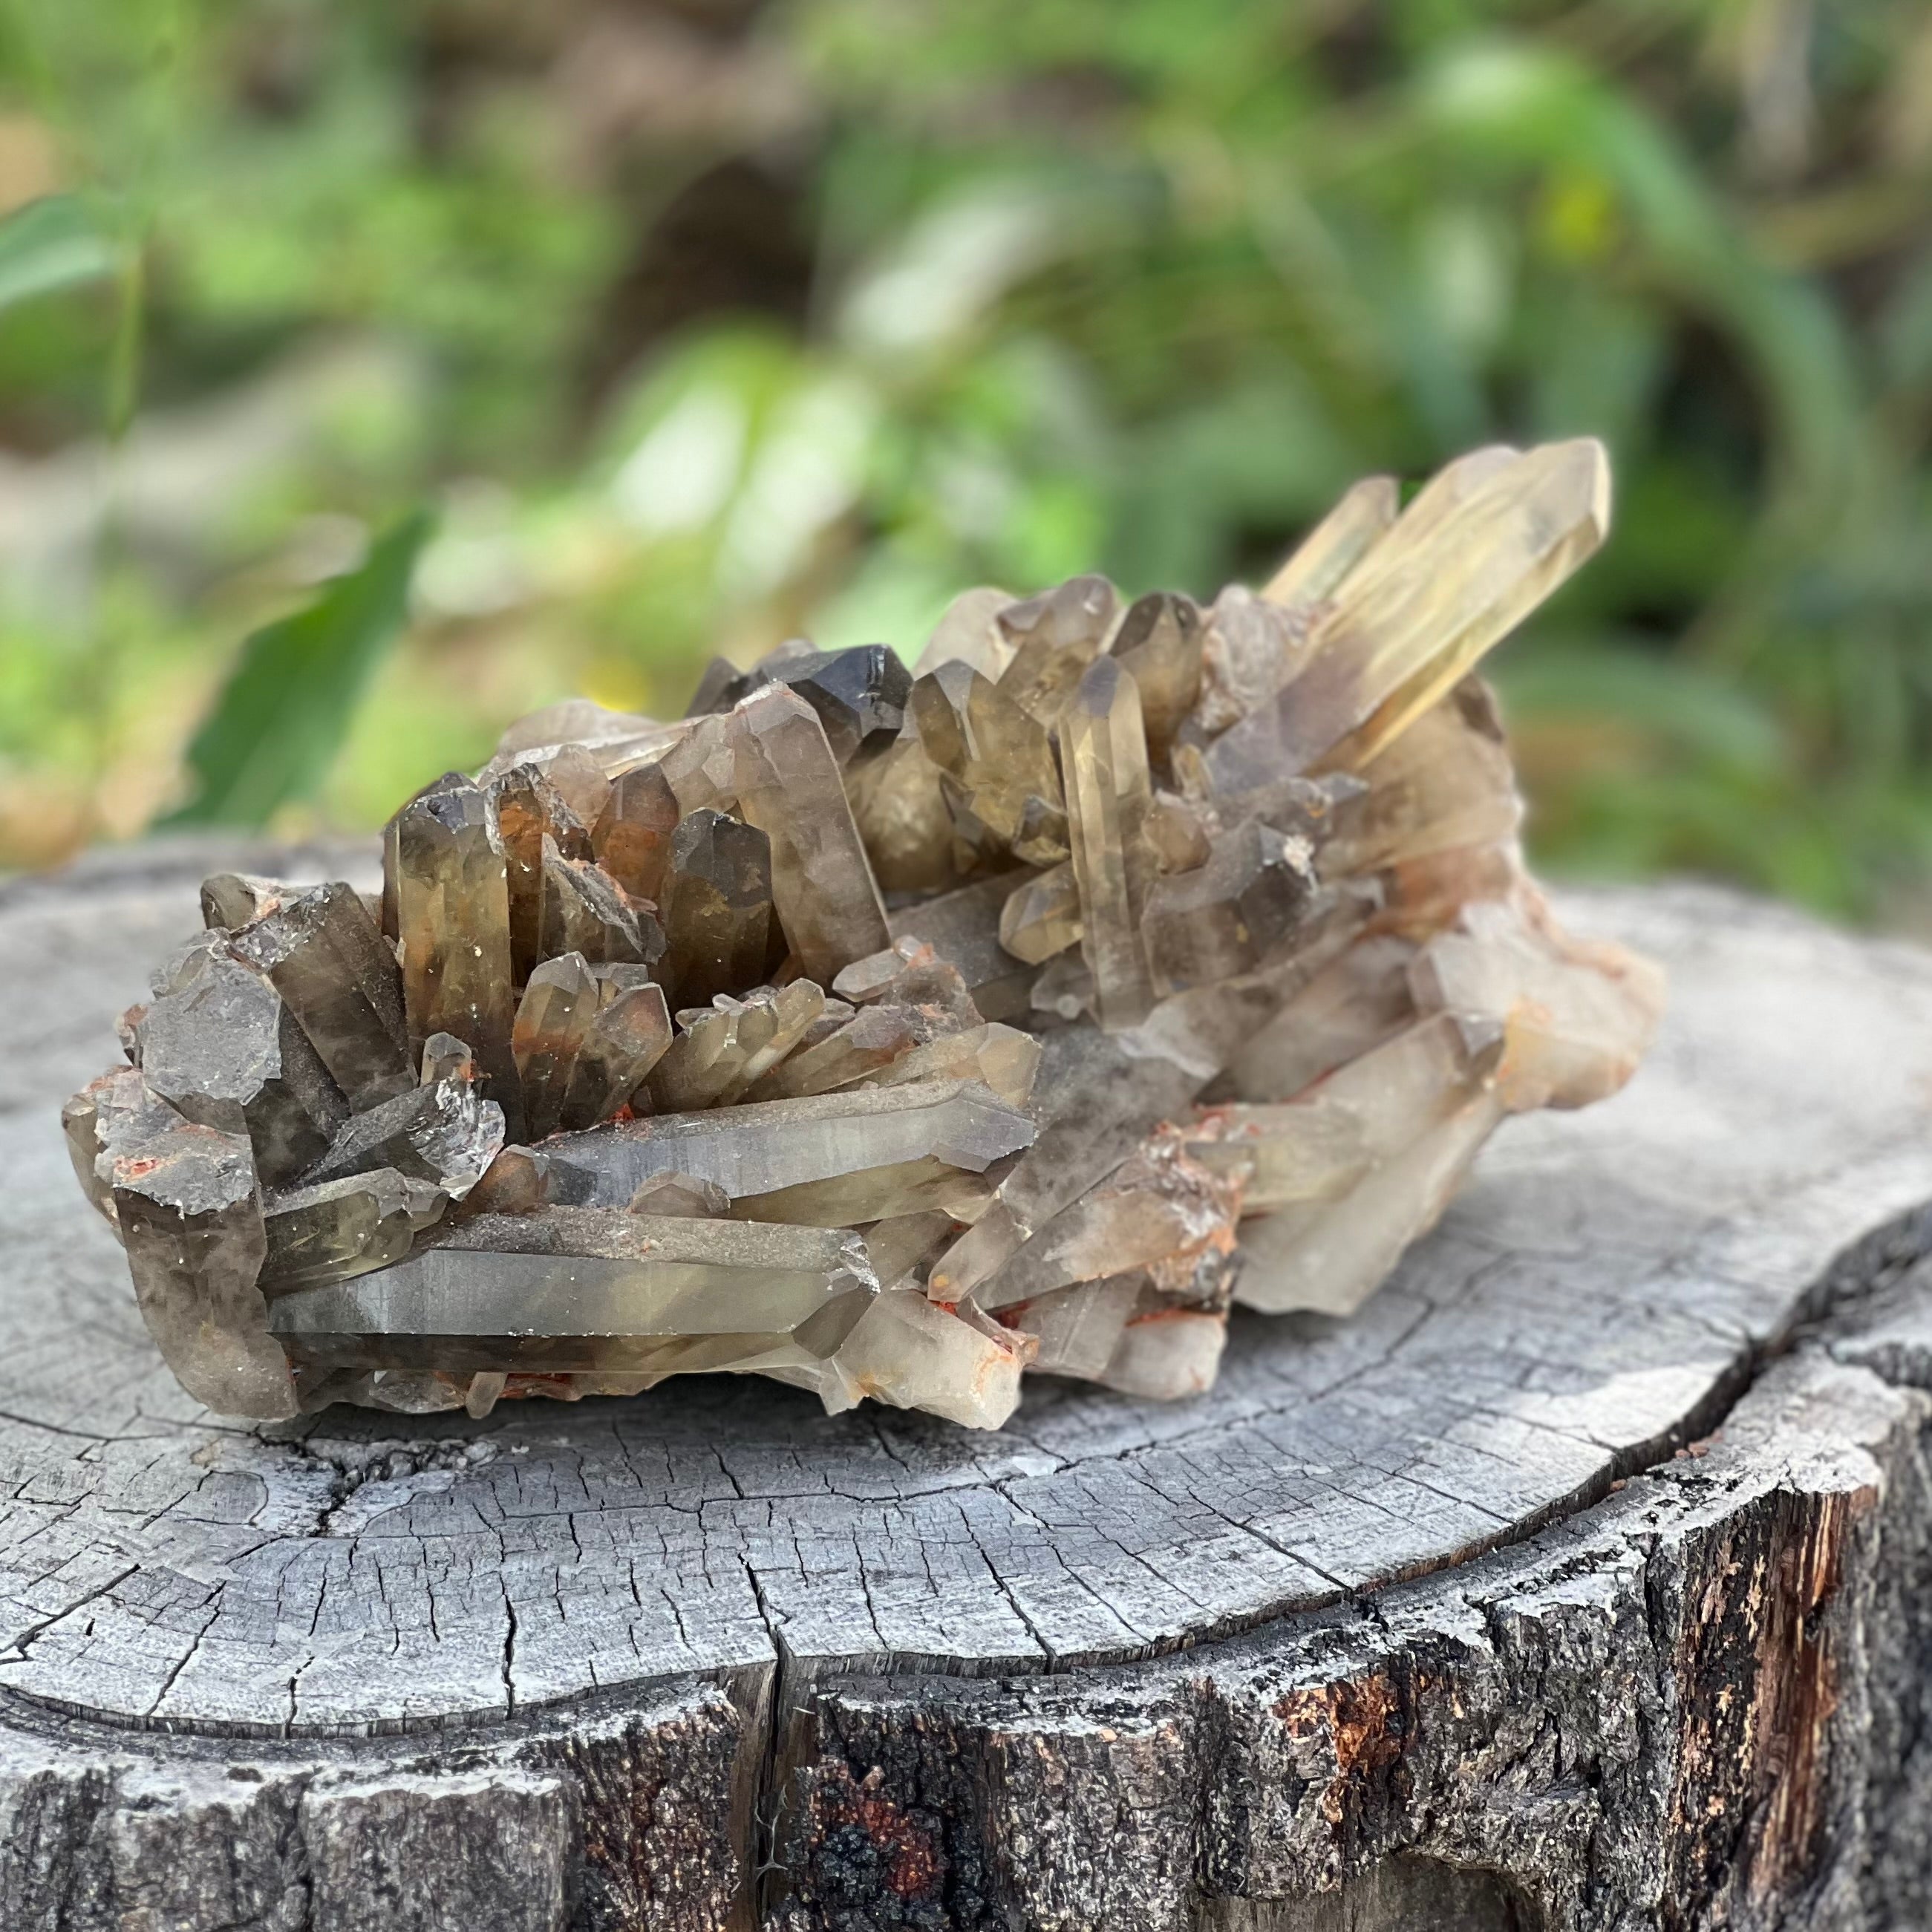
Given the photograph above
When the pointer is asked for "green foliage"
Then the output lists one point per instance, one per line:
(281, 716)
(56, 242)
(1136, 283)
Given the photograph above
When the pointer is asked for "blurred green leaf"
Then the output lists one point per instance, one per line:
(57, 242)
(1045, 286)
(287, 704)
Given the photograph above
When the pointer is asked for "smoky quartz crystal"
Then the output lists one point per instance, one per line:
(892, 1027)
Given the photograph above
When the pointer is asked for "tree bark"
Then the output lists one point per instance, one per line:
(1584, 1579)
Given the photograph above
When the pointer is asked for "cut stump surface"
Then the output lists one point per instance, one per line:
(1427, 1606)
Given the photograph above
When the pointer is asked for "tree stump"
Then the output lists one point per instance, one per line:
(1584, 1579)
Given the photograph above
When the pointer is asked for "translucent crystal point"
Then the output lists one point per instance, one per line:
(190, 1213)
(722, 1053)
(1003, 785)
(326, 956)
(1430, 598)
(631, 837)
(869, 1040)
(225, 1052)
(336, 1228)
(788, 786)
(759, 1146)
(229, 899)
(117, 1115)
(1422, 1103)
(531, 813)
(446, 1134)
(900, 808)
(718, 910)
(901, 1247)
(577, 773)
(969, 633)
(1351, 1005)
(1577, 1015)
(1124, 1334)
(1041, 916)
(1077, 1330)
(1001, 1058)
(1320, 565)
(1159, 642)
(908, 1353)
(963, 928)
(1055, 636)
(1168, 1354)
(553, 1020)
(1446, 782)
(586, 911)
(1096, 1101)
(1228, 917)
(912, 974)
(446, 893)
(630, 1033)
(1109, 794)
(1160, 1212)
(616, 740)
(880, 974)
(1249, 650)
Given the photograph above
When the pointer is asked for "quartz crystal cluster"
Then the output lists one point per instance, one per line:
(892, 1031)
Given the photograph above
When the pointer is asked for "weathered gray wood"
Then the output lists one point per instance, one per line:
(1398, 1604)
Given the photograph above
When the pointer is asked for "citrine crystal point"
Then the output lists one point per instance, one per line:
(231, 899)
(1250, 649)
(629, 1034)
(553, 1022)
(893, 1034)
(898, 801)
(221, 1052)
(1317, 568)
(1108, 795)
(332, 1229)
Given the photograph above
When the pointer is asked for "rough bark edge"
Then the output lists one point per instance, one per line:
(1669, 1713)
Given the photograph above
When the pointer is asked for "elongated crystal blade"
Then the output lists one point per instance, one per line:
(788, 785)
(1431, 599)
(583, 1273)
(718, 915)
(190, 1213)
(326, 956)
(446, 887)
(531, 816)
(1322, 562)
(1108, 795)
(759, 1146)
